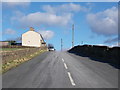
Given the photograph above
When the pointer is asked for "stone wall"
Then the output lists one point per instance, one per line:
(100, 53)
(13, 58)
(17, 54)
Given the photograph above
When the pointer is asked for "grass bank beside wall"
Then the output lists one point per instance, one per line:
(99, 53)
(12, 57)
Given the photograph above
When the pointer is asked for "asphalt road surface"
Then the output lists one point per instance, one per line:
(61, 70)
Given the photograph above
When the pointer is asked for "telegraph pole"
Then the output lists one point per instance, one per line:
(61, 44)
(82, 42)
(73, 35)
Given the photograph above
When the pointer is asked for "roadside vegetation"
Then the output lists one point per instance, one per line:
(10, 49)
(12, 57)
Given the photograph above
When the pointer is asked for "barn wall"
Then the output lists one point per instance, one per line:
(31, 38)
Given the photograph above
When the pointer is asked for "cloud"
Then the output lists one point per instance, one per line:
(47, 34)
(64, 8)
(38, 18)
(111, 40)
(9, 31)
(104, 23)
(16, 18)
(59, 15)
(114, 45)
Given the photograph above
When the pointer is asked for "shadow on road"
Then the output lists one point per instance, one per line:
(98, 59)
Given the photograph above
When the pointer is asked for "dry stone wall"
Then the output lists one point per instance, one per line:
(17, 54)
(100, 53)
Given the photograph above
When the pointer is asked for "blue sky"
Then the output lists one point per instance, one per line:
(95, 23)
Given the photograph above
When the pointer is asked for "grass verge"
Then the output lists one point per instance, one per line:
(14, 63)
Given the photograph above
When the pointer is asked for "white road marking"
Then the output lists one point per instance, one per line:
(65, 66)
(62, 59)
(70, 77)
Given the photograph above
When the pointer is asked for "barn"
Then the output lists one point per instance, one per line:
(32, 39)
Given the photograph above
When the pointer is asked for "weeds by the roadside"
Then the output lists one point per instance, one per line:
(14, 63)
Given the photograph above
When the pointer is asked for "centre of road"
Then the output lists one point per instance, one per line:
(69, 74)
(62, 59)
(71, 79)
(65, 66)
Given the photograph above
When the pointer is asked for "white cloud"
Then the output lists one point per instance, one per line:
(104, 23)
(38, 19)
(9, 31)
(114, 45)
(17, 16)
(64, 8)
(59, 15)
(108, 45)
(111, 40)
(100, 44)
(47, 34)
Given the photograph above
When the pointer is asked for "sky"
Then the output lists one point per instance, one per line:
(95, 23)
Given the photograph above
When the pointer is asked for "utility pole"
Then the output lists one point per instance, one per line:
(61, 44)
(82, 42)
(73, 35)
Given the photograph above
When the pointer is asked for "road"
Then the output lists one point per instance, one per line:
(61, 70)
